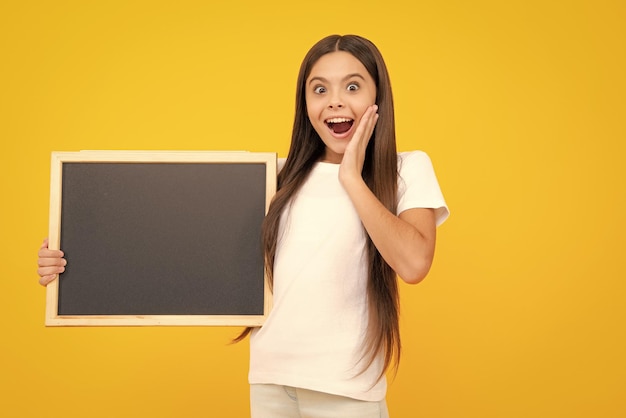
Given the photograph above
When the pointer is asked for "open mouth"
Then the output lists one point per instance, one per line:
(339, 125)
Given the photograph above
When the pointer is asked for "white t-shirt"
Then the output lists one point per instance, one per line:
(313, 336)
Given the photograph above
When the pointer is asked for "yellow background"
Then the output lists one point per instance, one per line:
(521, 106)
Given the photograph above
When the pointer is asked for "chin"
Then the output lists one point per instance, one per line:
(334, 154)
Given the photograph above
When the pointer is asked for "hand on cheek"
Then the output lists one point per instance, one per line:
(354, 157)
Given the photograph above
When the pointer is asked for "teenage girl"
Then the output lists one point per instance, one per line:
(350, 213)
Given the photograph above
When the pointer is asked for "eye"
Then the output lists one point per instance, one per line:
(353, 87)
(319, 90)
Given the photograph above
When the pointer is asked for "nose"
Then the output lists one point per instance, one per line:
(335, 101)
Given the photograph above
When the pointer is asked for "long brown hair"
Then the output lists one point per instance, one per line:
(379, 173)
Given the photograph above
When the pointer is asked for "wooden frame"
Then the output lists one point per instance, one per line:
(155, 160)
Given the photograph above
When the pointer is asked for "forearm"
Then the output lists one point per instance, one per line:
(406, 242)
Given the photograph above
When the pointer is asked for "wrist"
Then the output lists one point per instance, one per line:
(352, 181)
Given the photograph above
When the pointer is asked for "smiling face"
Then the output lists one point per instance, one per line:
(338, 92)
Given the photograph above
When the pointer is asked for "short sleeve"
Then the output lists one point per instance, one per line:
(418, 186)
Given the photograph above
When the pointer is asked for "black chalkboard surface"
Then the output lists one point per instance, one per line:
(160, 238)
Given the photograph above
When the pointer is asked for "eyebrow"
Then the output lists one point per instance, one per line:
(323, 80)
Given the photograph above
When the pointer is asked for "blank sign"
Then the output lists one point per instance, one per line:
(160, 238)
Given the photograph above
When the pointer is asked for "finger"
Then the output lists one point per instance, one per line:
(46, 253)
(366, 119)
(46, 270)
(369, 117)
(362, 133)
(45, 245)
(47, 275)
(46, 280)
(373, 118)
(367, 123)
(51, 262)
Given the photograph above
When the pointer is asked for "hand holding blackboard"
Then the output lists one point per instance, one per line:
(51, 263)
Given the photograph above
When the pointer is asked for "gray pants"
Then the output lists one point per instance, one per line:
(275, 401)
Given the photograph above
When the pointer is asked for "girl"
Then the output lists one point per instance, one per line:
(350, 213)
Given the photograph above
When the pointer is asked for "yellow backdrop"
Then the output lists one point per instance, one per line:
(519, 104)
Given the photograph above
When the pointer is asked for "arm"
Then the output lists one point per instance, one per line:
(407, 241)
(50, 262)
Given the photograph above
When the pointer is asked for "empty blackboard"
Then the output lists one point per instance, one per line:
(159, 238)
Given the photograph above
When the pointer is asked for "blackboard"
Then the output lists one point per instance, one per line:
(159, 238)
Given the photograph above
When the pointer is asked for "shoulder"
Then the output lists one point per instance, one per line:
(413, 161)
(415, 157)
